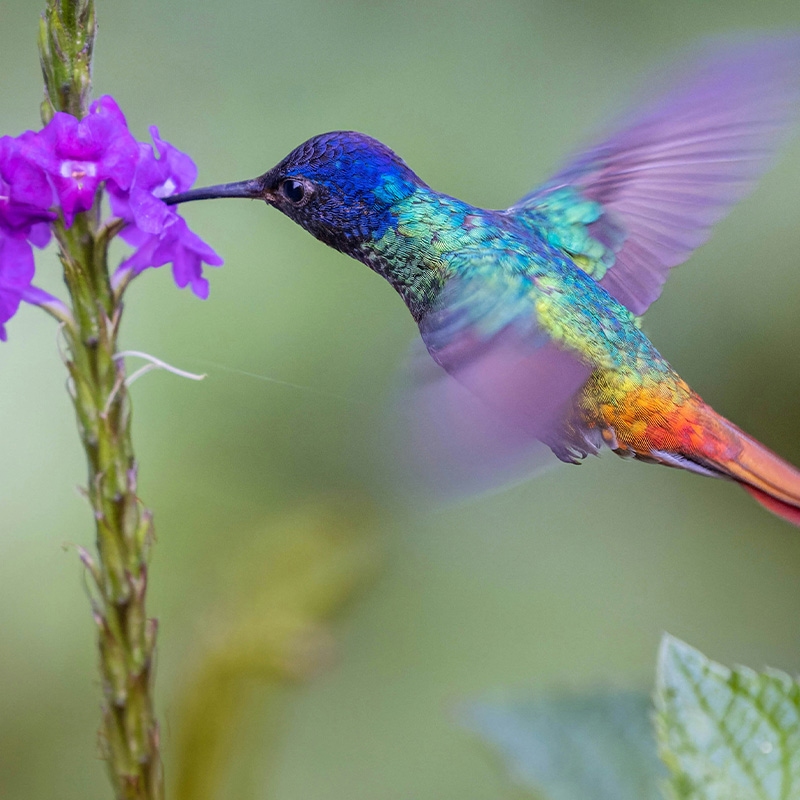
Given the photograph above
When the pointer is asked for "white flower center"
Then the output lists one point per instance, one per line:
(166, 189)
(78, 170)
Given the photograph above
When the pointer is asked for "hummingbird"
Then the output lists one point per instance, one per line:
(531, 316)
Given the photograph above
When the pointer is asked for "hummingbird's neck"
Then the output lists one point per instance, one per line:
(410, 248)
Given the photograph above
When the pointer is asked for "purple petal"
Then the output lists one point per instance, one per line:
(16, 263)
(107, 105)
(191, 241)
(135, 236)
(16, 274)
(149, 213)
(181, 246)
(187, 270)
(180, 167)
(28, 183)
(121, 154)
(36, 296)
(120, 199)
(40, 149)
(39, 235)
(144, 257)
(75, 195)
(18, 219)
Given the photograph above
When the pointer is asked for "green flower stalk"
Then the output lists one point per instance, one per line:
(52, 184)
(66, 44)
(129, 732)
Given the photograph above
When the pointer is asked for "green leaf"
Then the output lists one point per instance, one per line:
(575, 747)
(726, 734)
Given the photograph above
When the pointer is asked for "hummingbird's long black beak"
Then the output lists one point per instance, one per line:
(252, 189)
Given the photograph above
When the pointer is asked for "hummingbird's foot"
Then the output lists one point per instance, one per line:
(575, 445)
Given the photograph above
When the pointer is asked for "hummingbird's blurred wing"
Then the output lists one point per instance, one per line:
(492, 385)
(637, 204)
(450, 443)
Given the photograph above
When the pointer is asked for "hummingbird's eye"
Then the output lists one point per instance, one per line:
(294, 191)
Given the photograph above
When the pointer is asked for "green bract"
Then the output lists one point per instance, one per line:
(726, 734)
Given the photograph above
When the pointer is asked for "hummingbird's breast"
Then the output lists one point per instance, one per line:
(413, 252)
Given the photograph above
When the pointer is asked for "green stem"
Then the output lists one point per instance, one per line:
(123, 527)
(124, 533)
(66, 42)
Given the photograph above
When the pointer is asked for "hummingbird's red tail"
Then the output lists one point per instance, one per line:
(772, 481)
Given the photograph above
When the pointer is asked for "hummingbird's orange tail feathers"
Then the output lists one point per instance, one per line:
(772, 481)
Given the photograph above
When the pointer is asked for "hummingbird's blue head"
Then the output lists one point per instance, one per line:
(341, 187)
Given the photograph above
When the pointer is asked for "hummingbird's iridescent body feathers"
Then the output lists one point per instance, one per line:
(453, 241)
(533, 313)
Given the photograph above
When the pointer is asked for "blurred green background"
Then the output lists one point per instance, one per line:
(566, 581)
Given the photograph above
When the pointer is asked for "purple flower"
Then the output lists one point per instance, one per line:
(25, 196)
(70, 160)
(78, 155)
(177, 244)
(158, 232)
